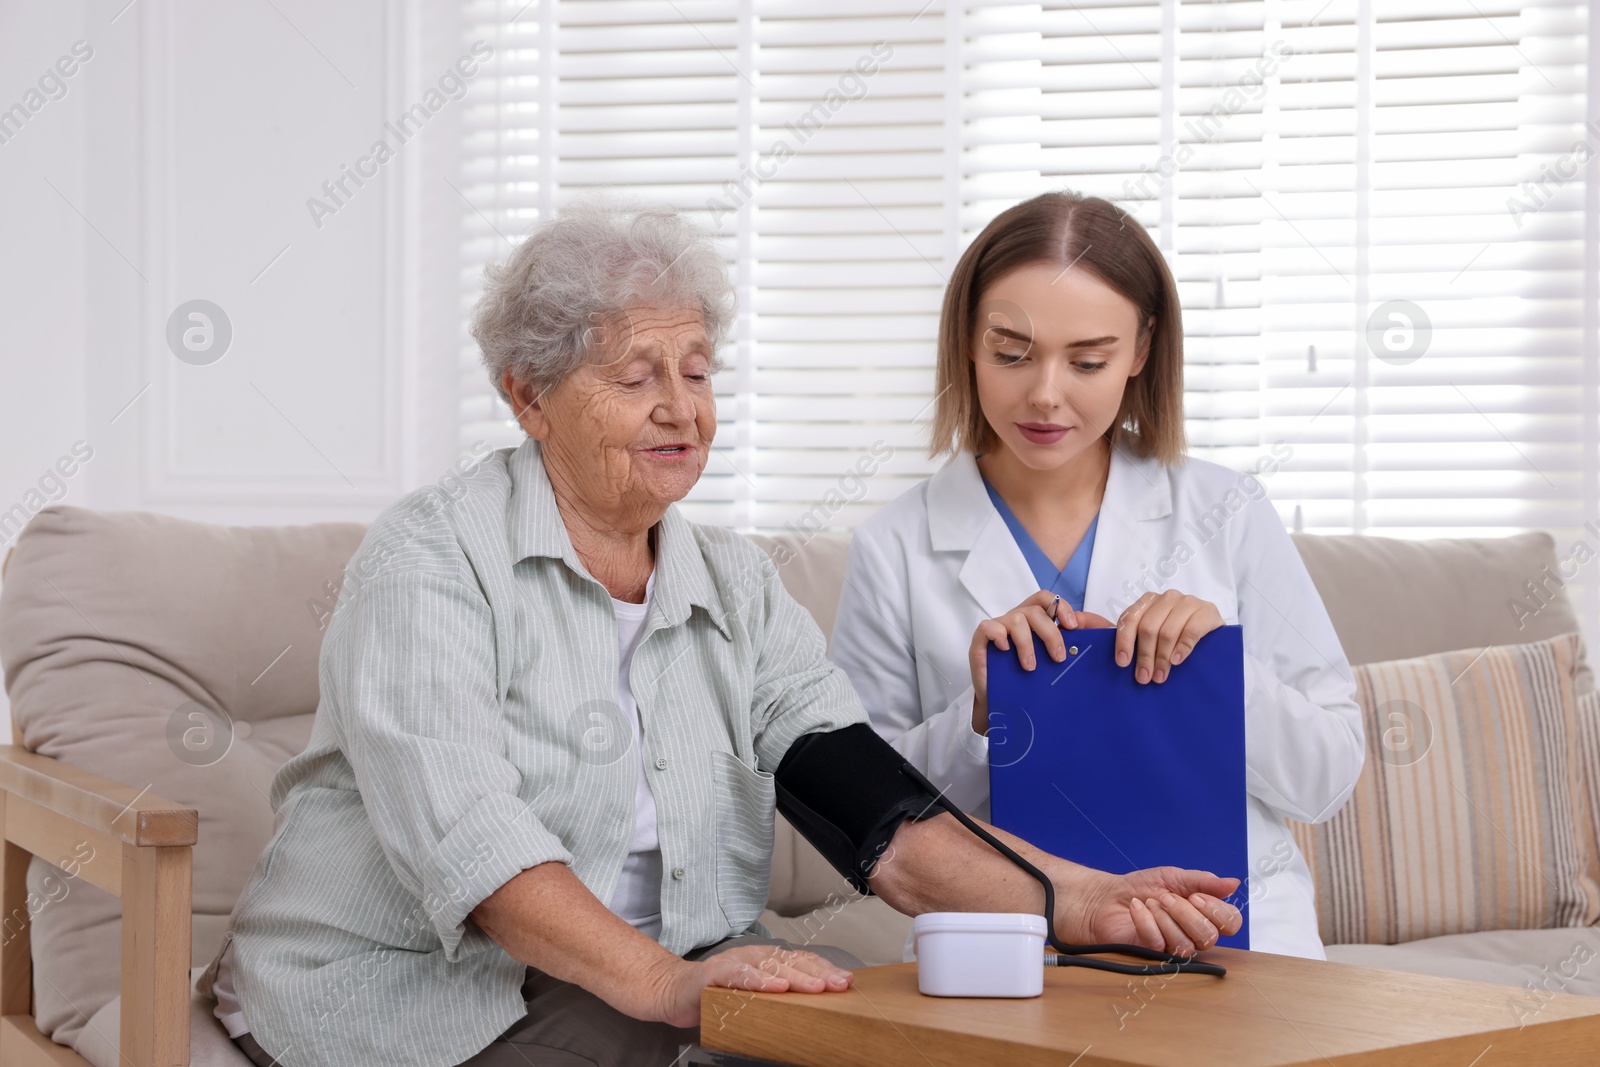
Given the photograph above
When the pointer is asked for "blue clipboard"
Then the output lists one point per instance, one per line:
(1087, 764)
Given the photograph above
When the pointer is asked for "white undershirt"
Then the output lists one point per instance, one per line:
(637, 898)
(638, 894)
(227, 1008)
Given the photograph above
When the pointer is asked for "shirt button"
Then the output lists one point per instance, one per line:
(677, 874)
(661, 763)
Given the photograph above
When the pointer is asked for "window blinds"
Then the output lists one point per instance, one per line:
(1380, 215)
(1439, 332)
(810, 139)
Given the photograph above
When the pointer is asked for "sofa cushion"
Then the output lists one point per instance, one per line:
(170, 655)
(1395, 599)
(1588, 747)
(1540, 963)
(209, 1044)
(1467, 815)
(812, 570)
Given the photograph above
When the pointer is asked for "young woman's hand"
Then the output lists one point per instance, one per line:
(1018, 626)
(1159, 629)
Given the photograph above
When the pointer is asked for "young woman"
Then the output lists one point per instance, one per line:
(1060, 404)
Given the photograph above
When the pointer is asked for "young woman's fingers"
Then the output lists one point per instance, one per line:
(1058, 611)
(978, 653)
(1127, 628)
(1172, 629)
(1021, 631)
(1048, 630)
(1192, 633)
(994, 631)
(1148, 628)
(1042, 599)
(1199, 624)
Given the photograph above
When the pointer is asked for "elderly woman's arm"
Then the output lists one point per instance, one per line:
(938, 865)
(549, 920)
(408, 686)
(408, 667)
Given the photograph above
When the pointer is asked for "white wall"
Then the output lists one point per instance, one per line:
(43, 252)
(190, 141)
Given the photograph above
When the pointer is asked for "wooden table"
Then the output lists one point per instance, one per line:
(1270, 1011)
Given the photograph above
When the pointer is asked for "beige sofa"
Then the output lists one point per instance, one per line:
(148, 657)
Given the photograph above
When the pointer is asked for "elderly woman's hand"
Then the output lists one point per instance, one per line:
(757, 968)
(1166, 908)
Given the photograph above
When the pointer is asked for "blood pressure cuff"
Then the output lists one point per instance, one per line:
(844, 791)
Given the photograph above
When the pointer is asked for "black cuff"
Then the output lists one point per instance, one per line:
(845, 793)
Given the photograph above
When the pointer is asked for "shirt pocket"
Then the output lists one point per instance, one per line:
(745, 801)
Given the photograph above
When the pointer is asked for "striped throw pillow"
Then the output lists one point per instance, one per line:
(1471, 813)
(1589, 770)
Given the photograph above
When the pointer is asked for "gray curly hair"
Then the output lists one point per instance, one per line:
(539, 309)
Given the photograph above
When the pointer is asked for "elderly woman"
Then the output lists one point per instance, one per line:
(535, 813)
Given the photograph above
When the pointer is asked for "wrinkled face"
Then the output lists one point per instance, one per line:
(1053, 351)
(632, 429)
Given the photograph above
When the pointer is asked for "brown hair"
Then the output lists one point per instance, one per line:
(1084, 231)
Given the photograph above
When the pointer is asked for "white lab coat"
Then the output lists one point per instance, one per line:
(931, 564)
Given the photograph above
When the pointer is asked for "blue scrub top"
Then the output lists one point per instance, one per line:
(1067, 583)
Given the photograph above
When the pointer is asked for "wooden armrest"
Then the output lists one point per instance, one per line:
(131, 844)
(133, 816)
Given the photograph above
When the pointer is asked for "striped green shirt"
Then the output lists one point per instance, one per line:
(468, 729)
